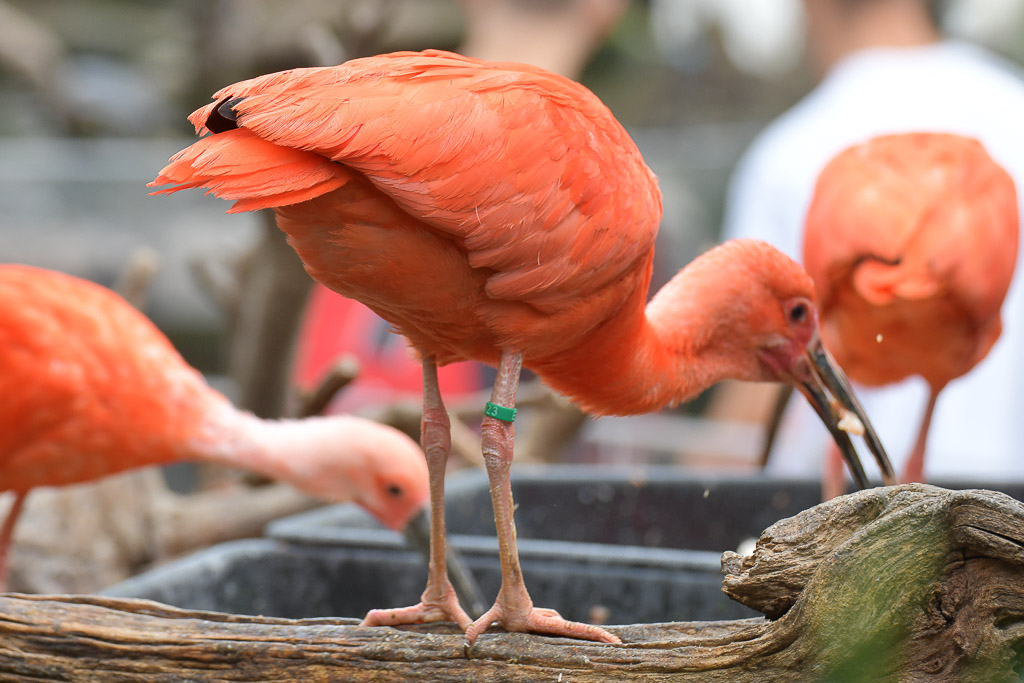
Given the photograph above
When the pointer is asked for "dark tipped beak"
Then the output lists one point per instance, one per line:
(417, 533)
(828, 391)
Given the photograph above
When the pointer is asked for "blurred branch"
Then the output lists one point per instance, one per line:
(555, 423)
(81, 539)
(340, 375)
(406, 416)
(136, 277)
(35, 52)
(183, 524)
(262, 294)
(29, 47)
(274, 287)
(218, 278)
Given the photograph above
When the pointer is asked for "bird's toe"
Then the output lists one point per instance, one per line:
(422, 613)
(538, 620)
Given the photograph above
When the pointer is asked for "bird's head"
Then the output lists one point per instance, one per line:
(749, 308)
(764, 327)
(346, 458)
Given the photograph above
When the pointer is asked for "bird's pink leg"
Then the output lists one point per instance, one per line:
(833, 477)
(439, 601)
(914, 469)
(514, 609)
(6, 536)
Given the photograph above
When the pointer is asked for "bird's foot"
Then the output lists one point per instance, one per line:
(538, 620)
(431, 609)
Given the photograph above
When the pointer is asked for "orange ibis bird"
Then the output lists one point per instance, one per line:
(911, 240)
(90, 387)
(498, 212)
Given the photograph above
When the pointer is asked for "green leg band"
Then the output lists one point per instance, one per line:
(499, 412)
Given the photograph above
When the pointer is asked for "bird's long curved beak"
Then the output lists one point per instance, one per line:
(417, 534)
(828, 391)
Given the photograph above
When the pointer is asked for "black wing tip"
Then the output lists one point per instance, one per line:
(223, 117)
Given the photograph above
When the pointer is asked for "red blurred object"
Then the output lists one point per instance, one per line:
(334, 326)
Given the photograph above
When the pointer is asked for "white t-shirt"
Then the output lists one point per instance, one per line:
(947, 87)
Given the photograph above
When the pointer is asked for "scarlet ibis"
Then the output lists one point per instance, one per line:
(911, 240)
(498, 212)
(90, 387)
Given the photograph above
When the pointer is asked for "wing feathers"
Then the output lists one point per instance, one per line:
(515, 164)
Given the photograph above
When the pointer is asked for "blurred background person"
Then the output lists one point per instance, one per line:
(886, 68)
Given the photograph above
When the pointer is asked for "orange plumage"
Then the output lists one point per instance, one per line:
(498, 212)
(70, 387)
(90, 387)
(516, 147)
(912, 241)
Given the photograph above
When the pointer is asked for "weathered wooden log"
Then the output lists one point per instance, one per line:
(908, 583)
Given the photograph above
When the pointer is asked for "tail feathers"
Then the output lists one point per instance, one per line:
(238, 165)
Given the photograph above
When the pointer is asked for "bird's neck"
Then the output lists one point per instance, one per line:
(239, 439)
(651, 358)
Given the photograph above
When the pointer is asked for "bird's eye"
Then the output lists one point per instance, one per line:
(395, 490)
(798, 313)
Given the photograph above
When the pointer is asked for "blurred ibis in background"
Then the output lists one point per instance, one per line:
(90, 387)
(911, 240)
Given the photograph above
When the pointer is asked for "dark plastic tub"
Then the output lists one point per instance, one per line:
(642, 507)
(615, 544)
